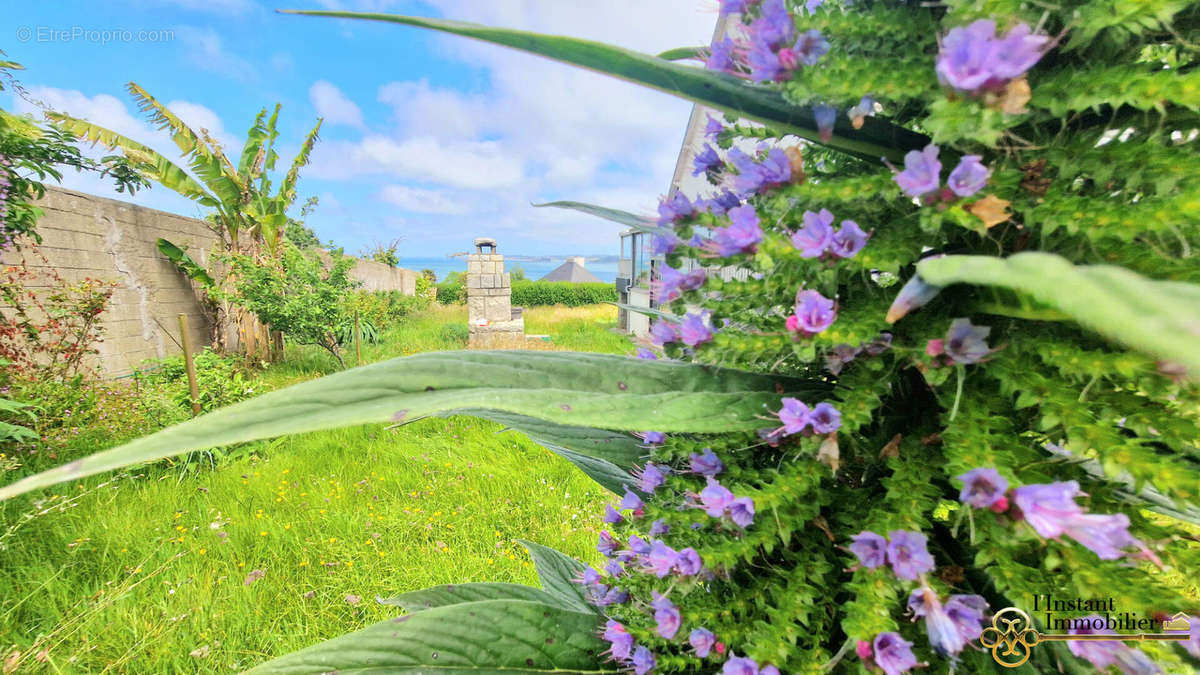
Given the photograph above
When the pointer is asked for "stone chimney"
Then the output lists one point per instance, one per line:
(490, 315)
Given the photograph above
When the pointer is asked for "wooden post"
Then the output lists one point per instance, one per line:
(189, 364)
(357, 341)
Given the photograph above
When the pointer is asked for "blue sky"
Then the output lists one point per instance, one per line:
(429, 138)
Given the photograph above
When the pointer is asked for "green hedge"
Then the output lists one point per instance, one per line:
(535, 293)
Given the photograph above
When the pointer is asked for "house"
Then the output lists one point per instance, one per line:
(572, 270)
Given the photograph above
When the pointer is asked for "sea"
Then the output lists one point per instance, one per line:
(533, 270)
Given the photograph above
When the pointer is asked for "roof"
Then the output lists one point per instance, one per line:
(572, 271)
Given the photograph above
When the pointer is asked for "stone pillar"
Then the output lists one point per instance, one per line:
(491, 320)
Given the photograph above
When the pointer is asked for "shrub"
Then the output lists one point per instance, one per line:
(222, 379)
(537, 293)
(385, 308)
(456, 334)
(452, 291)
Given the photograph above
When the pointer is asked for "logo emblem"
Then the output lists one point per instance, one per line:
(1011, 637)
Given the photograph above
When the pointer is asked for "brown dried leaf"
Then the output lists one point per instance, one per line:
(353, 599)
(10, 664)
(892, 449)
(823, 525)
(796, 160)
(828, 454)
(254, 576)
(200, 653)
(991, 210)
(1014, 96)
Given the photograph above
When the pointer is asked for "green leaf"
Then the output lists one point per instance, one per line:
(184, 262)
(510, 636)
(640, 223)
(576, 389)
(1158, 318)
(683, 54)
(559, 573)
(877, 138)
(457, 594)
(605, 456)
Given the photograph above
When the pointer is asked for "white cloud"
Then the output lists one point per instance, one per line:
(216, 6)
(334, 106)
(420, 200)
(478, 165)
(206, 50)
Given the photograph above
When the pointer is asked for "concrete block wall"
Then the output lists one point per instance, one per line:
(88, 236)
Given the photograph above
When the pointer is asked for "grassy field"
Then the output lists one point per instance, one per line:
(191, 568)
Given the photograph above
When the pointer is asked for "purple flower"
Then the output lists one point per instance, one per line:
(666, 616)
(1017, 52)
(794, 415)
(590, 577)
(663, 331)
(742, 236)
(653, 437)
(741, 511)
(870, 549)
(611, 516)
(702, 640)
(713, 128)
(774, 27)
(972, 59)
(893, 654)
(660, 560)
(705, 161)
(810, 47)
(707, 464)
(659, 527)
(716, 498)
(674, 207)
(769, 669)
(694, 330)
(733, 6)
(1103, 654)
(643, 353)
(765, 64)
(612, 596)
(688, 564)
(849, 240)
(608, 544)
(643, 660)
(839, 357)
(907, 554)
(638, 545)
(813, 5)
(825, 116)
(621, 640)
(651, 477)
(982, 487)
(1104, 535)
(863, 109)
(722, 202)
(664, 243)
(632, 501)
(737, 665)
(613, 568)
(914, 295)
(1192, 644)
(969, 177)
(816, 236)
(825, 419)
(965, 343)
(966, 611)
(814, 312)
(753, 176)
(943, 633)
(921, 174)
(720, 56)
(878, 345)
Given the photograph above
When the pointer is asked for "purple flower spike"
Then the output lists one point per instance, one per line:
(688, 564)
(608, 544)
(969, 177)
(921, 174)
(653, 437)
(722, 202)
(666, 616)
(715, 498)
(774, 26)
(965, 343)
(632, 501)
(870, 549)
(611, 516)
(908, 555)
(638, 545)
(705, 161)
(702, 640)
(849, 240)
(741, 511)
(825, 116)
(652, 477)
(643, 353)
(814, 312)
(982, 487)
(825, 419)
(742, 236)
(816, 236)
(839, 357)
(674, 207)
(643, 660)
(614, 568)
(694, 330)
(720, 56)
(752, 177)
(664, 243)
(893, 654)
(660, 561)
(621, 640)
(713, 128)
(794, 415)
(737, 665)
(663, 332)
(706, 464)
(659, 527)
(1103, 654)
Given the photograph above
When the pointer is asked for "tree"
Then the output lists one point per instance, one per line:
(383, 253)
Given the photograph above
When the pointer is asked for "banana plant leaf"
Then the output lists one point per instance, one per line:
(194, 270)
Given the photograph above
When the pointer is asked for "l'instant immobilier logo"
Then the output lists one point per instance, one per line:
(1012, 637)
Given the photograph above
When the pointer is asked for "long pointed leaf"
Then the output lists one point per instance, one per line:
(1159, 318)
(683, 54)
(184, 262)
(560, 575)
(457, 594)
(877, 138)
(569, 388)
(640, 223)
(495, 636)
